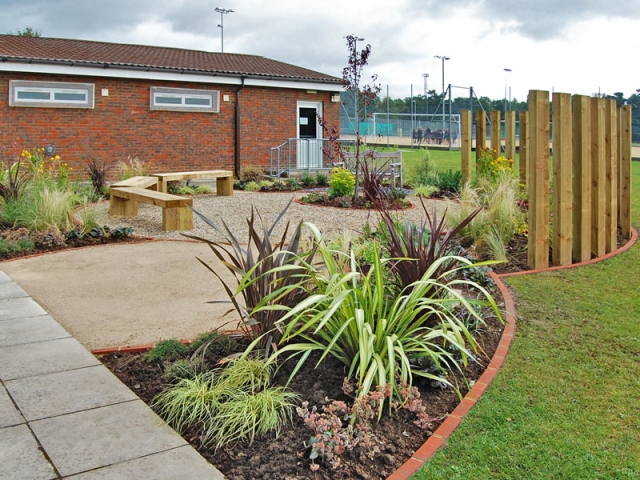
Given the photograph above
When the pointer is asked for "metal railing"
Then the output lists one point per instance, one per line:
(304, 154)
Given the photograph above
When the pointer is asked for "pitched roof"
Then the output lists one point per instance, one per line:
(102, 54)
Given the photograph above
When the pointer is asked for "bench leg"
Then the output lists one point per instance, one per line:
(179, 218)
(122, 207)
(224, 186)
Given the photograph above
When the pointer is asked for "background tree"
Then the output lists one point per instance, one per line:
(28, 32)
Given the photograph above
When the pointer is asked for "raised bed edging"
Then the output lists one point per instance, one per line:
(454, 419)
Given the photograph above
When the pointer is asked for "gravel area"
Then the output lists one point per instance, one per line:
(234, 210)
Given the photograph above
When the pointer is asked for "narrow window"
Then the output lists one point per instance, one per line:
(24, 93)
(185, 100)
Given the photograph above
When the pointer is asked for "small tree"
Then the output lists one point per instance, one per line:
(363, 95)
(29, 32)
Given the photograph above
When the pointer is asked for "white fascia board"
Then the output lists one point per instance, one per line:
(114, 72)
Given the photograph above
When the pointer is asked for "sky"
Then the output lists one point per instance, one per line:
(572, 46)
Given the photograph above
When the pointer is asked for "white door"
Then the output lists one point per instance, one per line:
(309, 139)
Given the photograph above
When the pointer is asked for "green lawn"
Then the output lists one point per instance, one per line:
(567, 402)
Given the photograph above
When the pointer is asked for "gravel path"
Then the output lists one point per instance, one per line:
(235, 209)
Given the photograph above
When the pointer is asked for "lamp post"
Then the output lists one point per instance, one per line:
(443, 58)
(426, 93)
(222, 12)
(506, 72)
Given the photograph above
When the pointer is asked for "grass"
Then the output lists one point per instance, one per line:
(567, 402)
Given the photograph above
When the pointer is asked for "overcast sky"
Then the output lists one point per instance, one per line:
(573, 46)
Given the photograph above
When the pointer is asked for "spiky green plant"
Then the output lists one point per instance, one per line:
(380, 338)
(260, 268)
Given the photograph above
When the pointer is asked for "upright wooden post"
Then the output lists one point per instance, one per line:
(481, 134)
(466, 145)
(598, 178)
(524, 152)
(510, 135)
(538, 186)
(611, 174)
(562, 179)
(581, 178)
(624, 155)
(496, 143)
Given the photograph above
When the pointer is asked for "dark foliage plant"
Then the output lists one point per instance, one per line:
(260, 268)
(451, 181)
(415, 248)
(373, 174)
(14, 181)
(97, 172)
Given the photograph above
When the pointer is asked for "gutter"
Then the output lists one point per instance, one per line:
(237, 159)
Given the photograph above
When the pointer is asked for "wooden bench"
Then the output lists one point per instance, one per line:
(224, 179)
(391, 162)
(176, 214)
(142, 182)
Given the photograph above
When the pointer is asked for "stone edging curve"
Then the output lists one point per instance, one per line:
(444, 431)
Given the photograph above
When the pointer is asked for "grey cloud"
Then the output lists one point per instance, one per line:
(539, 19)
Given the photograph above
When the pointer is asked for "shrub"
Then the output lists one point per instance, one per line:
(342, 183)
(12, 247)
(165, 350)
(451, 181)
(251, 173)
(425, 191)
(321, 179)
(308, 180)
(491, 165)
(424, 173)
(293, 184)
(252, 186)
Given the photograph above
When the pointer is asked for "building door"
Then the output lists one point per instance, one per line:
(309, 141)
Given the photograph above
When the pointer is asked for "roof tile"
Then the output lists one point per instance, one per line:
(42, 49)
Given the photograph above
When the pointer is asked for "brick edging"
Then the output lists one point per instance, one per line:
(444, 431)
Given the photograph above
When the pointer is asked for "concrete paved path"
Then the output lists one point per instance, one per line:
(64, 415)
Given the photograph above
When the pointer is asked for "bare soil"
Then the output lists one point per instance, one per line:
(286, 457)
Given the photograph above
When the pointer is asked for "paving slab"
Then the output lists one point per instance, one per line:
(176, 464)
(21, 307)
(59, 393)
(9, 289)
(9, 414)
(30, 330)
(20, 457)
(18, 361)
(83, 441)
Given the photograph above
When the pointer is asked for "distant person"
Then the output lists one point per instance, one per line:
(419, 136)
(427, 135)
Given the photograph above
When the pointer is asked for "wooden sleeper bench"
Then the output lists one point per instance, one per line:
(224, 179)
(176, 214)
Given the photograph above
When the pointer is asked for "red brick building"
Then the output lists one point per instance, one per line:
(178, 109)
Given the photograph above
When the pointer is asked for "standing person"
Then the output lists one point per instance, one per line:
(419, 136)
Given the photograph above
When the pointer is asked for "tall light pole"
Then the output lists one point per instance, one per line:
(506, 72)
(443, 58)
(426, 93)
(222, 12)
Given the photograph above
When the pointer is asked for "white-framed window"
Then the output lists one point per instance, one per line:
(27, 93)
(185, 100)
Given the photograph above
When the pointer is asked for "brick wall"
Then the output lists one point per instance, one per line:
(121, 125)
